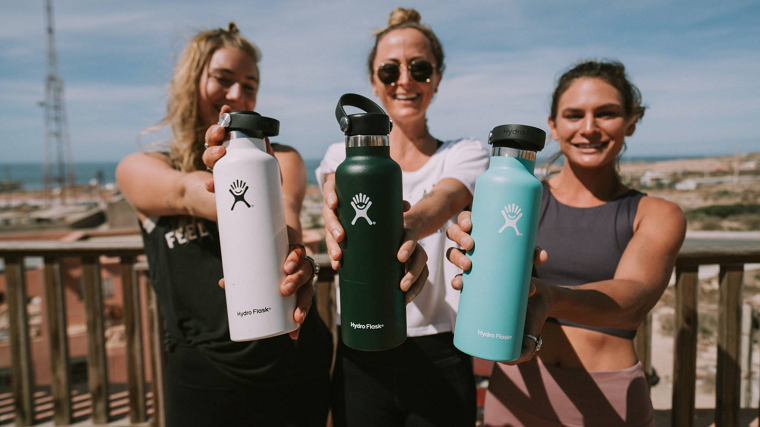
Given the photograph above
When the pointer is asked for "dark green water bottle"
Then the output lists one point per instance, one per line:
(370, 198)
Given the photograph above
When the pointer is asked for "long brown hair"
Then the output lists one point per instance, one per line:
(182, 111)
(612, 72)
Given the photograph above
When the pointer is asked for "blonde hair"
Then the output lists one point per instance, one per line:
(407, 18)
(182, 111)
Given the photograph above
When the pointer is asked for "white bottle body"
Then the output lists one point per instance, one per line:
(254, 241)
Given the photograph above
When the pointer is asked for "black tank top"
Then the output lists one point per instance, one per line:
(585, 244)
(185, 267)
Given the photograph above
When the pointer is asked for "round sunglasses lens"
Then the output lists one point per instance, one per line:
(388, 73)
(421, 70)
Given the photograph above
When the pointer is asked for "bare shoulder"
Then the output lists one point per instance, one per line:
(660, 216)
(151, 158)
(288, 157)
(136, 164)
(282, 148)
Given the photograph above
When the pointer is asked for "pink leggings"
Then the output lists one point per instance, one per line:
(536, 395)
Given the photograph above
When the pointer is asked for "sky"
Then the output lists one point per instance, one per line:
(697, 64)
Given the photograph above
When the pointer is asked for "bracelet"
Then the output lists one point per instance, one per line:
(314, 268)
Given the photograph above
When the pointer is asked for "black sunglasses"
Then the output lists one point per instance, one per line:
(420, 71)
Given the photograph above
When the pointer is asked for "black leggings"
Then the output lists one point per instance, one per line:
(425, 381)
(199, 395)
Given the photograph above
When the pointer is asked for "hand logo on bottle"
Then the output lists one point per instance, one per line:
(238, 189)
(511, 214)
(361, 204)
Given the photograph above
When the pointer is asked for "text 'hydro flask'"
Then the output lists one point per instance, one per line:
(252, 230)
(491, 315)
(368, 185)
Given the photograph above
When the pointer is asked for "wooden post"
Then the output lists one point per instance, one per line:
(325, 291)
(643, 343)
(685, 360)
(133, 330)
(728, 377)
(21, 354)
(58, 339)
(156, 325)
(97, 367)
(748, 333)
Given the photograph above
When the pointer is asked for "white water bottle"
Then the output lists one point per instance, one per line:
(252, 230)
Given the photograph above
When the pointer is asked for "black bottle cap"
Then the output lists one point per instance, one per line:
(250, 123)
(373, 122)
(522, 137)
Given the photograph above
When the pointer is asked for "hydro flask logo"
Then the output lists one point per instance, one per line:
(511, 214)
(361, 204)
(238, 189)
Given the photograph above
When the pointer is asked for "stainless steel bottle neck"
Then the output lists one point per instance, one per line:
(235, 134)
(367, 141)
(241, 140)
(514, 152)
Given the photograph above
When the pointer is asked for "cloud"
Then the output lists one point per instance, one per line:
(696, 64)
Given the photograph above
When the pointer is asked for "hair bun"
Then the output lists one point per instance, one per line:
(232, 28)
(401, 15)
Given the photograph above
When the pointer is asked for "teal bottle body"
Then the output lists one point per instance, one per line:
(370, 197)
(493, 303)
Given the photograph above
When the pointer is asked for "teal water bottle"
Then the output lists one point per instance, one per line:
(370, 199)
(491, 315)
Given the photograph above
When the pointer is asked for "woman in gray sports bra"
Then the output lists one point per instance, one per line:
(611, 253)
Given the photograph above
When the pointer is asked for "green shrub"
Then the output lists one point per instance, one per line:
(724, 211)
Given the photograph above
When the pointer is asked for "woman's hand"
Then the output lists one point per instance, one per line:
(539, 304)
(539, 300)
(411, 254)
(298, 273)
(215, 136)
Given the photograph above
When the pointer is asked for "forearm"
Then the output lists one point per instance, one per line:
(193, 198)
(429, 214)
(607, 304)
(293, 219)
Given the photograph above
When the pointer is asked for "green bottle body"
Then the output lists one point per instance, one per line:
(370, 198)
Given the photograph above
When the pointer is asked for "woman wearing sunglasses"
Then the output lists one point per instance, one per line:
(426, 381)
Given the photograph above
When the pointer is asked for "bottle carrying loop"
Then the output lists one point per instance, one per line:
(250, 123)
(373, 121)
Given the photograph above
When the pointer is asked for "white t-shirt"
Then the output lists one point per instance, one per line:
(434, 309)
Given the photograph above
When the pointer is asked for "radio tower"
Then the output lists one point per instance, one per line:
(58, 170)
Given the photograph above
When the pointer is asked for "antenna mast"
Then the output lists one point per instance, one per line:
(58, 169)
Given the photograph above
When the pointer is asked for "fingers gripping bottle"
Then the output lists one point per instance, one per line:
(252, 230)
(491, 315)
(370, 198)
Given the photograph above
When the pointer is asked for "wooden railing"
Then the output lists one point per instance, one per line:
(89, 253)
(731, 256)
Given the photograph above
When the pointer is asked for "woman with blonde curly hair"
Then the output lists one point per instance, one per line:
(425, 381)
(211, 380)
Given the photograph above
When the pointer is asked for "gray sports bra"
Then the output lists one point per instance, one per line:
(585, 244)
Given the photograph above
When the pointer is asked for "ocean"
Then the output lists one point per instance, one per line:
(30, 174)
